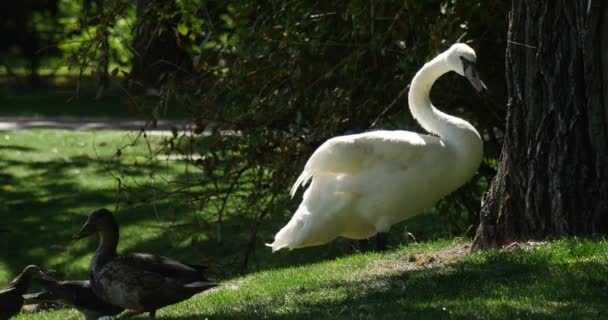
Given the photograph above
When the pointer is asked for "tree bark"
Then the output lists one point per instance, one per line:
(552, 180)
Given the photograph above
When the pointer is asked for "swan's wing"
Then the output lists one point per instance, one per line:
(354, 153)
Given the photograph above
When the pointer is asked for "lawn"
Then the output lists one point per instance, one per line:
(51, 179)
(434, 280)
(63, 102)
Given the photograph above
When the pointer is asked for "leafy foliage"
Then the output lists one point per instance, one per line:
(266, 82)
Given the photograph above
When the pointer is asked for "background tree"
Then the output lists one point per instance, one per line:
(552, 178)
(28, 29)
(289, 75)
(263, 83)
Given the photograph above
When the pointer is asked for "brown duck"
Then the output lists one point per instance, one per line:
(11, 299)
(139, 282)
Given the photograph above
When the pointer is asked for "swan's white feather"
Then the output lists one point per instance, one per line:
(362, 184)
(351, 154)
(359, 186)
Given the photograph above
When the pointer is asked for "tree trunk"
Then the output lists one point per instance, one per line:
(552, 180)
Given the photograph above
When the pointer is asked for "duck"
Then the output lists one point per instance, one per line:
(11, 299)
(361, 184)
(74, 293)
(138, 282)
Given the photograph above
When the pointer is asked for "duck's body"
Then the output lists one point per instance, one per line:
(147, 282)
(140, 282)
(11, 299)
(364, 183)
(77, 294)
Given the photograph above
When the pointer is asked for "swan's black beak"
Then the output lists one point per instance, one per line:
(470, 72)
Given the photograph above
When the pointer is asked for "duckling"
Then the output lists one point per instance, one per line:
(139, 282)
(11, 300)
(76, 294)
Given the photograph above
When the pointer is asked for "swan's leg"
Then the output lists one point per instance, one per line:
(382, 241)
(152, 314)
(361, 245)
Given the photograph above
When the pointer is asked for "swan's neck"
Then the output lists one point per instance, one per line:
(106, 251)
(431, 119)
(454, 131)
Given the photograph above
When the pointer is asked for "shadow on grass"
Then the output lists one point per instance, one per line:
(54, 102)
(48, 203)
(45, 204)
(499, 286)
(42, 204)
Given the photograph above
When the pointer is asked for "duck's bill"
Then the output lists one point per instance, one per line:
(86, 231)
(471, 73)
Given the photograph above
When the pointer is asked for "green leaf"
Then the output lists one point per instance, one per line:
(182, 28)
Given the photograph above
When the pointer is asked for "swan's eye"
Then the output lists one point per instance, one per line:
(466, 63)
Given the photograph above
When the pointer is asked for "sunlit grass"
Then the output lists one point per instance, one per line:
(560, 280)
(52, 179)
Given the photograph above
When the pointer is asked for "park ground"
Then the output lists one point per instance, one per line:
(51, 178)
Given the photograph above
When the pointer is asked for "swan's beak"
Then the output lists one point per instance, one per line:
(471, 73)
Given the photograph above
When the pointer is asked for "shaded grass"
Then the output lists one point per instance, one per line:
(561, 280)
(52, 179)
(62, 102)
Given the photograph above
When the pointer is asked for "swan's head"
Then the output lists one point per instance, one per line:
(461, 58)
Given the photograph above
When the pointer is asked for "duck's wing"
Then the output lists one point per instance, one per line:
(352, 154)
(164, 266)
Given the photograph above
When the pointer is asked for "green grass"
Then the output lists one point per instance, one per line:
(560, 280)
(62, 102)
(51, 179)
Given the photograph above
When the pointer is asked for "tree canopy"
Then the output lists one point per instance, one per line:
(282, 76)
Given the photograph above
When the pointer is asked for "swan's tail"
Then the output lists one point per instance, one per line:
(288, 237)
(304, 177)
(312, 168)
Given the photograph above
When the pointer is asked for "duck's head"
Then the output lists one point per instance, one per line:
(32, 270)
(29, 272)
(97, 220)
(461, 58)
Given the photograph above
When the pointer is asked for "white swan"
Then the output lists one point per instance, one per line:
(364, 183)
